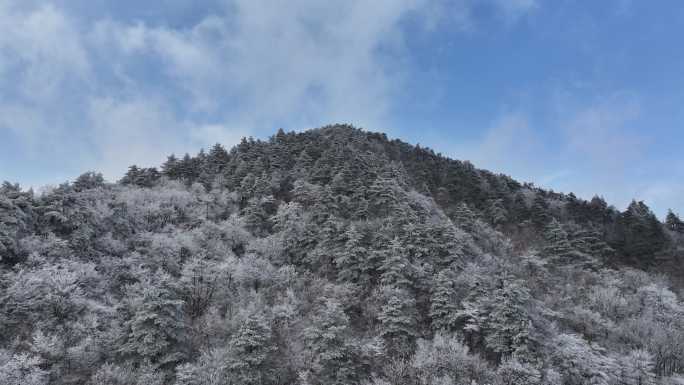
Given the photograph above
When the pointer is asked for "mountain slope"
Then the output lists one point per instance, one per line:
(332, 256)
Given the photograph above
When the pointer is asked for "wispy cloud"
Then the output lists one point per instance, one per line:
(509, 145)
(129, 87)
(586, 146)
(513, 10)
(600, 132)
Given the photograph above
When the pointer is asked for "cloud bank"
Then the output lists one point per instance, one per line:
(93, 84)
(105, 85)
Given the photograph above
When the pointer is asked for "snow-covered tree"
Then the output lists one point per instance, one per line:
(250, 352)
(333, 357)
(398, 319)
(155, 331)
(443, 305)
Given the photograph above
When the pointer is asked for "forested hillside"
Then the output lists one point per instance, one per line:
(333, 256)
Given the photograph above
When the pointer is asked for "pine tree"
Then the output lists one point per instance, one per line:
(385, 194)
(16, 220)
(496, 212)
(448, 245)
(255, 217)
(333, 360)
(520, 211)
(514, 372)
(132, 176)
(156, 331)
(636, 368)
(673, 222)
(640, 234)
(396, 270)
(88, 180)
(170, 167)
(579, 362)
(508, 322)
(540, 211)
(303, 166)
(350, 260)
(443, 308)
(557, 245)
(398, 320)
(464, 217)
(591, 243)
(251, 350)
(217, 159)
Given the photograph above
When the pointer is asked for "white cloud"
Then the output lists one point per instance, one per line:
(513, 10)
(265, 65)
(210, 134)
(510, 145)
(114, 90)
(44, 49)
(129, 132)
(664, 195)
(600, 132)
(587, 147)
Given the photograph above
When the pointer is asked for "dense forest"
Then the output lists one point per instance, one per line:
(334, 256)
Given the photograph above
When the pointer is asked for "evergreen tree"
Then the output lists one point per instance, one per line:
(396, 270)
(170, 168)
(673, 222)
(496, 212)
(464, 217)
(303, 166)
(514, 372)
(443, 306)
(398, 320)
(333, 358)
(155, 331)
(251, 350)
(352, 258)
(640, 234)
(255, 217)
(519, 210)
(540, 211)
(16, 220)
(508, 321)
(591, 243)
(217, 159)
(361, 278)
(557, 245)
(132, 176)
(636, 368)
(88, 180)
(385, 194)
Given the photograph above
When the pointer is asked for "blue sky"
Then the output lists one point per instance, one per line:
(582, 96)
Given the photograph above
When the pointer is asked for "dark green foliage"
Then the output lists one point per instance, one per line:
(352, 260)
(673, 222)
(540, 213)
(398, 320)
(334, 359)
(639, 233)
(143, 177)
(251, 350)
(508, 321)
(16, 221)
(443, 305)
(331, 256)
(155, 331)
(464, 217)
(557, 244)
(396, 269)
(88, 180)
